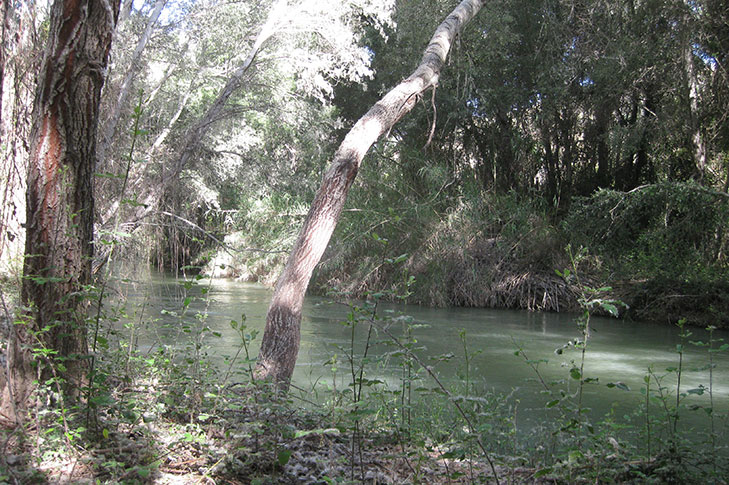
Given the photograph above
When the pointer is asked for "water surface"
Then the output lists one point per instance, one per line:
(619, 351)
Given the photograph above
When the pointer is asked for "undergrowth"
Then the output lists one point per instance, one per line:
(479, 250)
(165, 410)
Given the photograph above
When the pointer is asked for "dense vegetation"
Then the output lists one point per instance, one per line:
(557, 129)
(596, 125)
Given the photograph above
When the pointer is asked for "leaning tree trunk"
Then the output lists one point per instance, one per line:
(280, 344)
(59, 227)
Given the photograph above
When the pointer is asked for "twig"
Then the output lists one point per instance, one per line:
(450, 397)
(435, 117)
(531, 364)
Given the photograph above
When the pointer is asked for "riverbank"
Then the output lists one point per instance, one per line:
(154, 428)
(168, 408)
(660, 249)
(488, 273)
(243, 442)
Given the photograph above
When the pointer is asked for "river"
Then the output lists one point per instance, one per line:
(618, 351)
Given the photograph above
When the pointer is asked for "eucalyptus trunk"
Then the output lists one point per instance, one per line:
(60, 208)
(280, 344)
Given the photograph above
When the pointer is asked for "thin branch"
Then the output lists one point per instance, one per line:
(227, 247)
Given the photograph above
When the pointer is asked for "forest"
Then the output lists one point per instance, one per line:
(390, 158)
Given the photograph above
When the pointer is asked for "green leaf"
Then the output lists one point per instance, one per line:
(575, 373)
(574, 456)
(610, 308)
(619, 385)
(543, 472)
(105, 433)
(283, 457)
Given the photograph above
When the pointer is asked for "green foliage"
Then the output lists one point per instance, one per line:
(467, 248)
(667, 231)
(261, 232)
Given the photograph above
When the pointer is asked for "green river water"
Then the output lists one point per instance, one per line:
(619, 351)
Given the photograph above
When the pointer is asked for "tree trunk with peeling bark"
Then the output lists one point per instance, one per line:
(59, 227)
(280, 344)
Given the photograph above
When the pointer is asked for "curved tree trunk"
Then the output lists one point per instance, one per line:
(59, 228)
(280, 344)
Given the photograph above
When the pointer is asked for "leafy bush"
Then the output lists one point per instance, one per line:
(670, 231)
(475, 248)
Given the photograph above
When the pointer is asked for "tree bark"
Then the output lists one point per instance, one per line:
(21, 47)
(280, 344)
(5, 7)
(59, 227)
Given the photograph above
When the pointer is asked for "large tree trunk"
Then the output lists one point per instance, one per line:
(59, 227)
(280, 344)
(20, 52)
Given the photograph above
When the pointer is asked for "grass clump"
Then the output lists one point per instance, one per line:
(490, 250)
